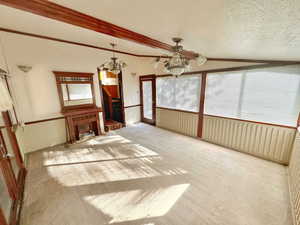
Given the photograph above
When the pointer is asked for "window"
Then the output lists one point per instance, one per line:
(270, 95)
(179, 93)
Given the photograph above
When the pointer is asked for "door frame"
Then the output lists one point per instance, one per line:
(151, 78)
(120, 82)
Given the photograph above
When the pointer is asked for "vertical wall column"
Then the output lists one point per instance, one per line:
(201, 105)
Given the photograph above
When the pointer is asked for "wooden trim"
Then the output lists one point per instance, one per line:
(201, 104)
(82, 111)
(141, 98)
(68, 92)
(120, 82)
(131, 106)
(76, 43)
(252, 60)
(120, 85)
(72, 74)
(147, 77)
(13, 139)
(9, 177)
(133, 54)
(17, 204)
(59, 74)
(7, 170)
(252, 121)
(2, 218)
(177, 110)
(75, 82)
(252, 67)
(63, 14)
(70, 42)
(45, 120)
(151, 78)
(154, 100)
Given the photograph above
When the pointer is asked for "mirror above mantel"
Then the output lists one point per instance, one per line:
(77, 94)
(77, 99)
(75, 90)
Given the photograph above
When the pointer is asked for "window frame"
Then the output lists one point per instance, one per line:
(245, 69)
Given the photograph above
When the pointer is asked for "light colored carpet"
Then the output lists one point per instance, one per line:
(143, 175)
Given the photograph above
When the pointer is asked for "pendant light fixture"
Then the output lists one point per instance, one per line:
(114, 65)
(178, 64)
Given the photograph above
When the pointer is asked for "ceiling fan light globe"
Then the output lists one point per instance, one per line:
(176, 71)
(201, 60)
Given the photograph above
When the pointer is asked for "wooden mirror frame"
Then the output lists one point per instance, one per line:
(87, 78)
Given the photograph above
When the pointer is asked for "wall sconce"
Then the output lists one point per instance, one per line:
(24, 68)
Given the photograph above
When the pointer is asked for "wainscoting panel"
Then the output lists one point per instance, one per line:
(133, 114)
(294, 179)
(178, 121)
(42, 135)
(266, 141)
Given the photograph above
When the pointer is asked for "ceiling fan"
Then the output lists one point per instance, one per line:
(178, 64)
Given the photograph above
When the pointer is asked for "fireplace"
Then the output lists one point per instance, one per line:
(81, 123)
(84, 130)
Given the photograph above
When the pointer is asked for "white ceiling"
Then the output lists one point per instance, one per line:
(26, 22)
(254, 29)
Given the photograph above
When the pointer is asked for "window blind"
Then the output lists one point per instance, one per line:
(181, 93)
(270, 95)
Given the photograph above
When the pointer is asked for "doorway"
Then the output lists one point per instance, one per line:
(111, 90)
(148, 99)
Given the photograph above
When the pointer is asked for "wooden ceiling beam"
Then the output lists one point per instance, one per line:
(57, 12)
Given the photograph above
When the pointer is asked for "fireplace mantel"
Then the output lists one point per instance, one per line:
(81, 121)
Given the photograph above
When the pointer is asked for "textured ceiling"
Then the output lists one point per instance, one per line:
(254, 29)
(265, 29)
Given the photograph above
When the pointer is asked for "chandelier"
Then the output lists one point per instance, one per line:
(114, 65)
(178, 64)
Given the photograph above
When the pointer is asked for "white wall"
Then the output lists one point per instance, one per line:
(133, 114)
(35, 92)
